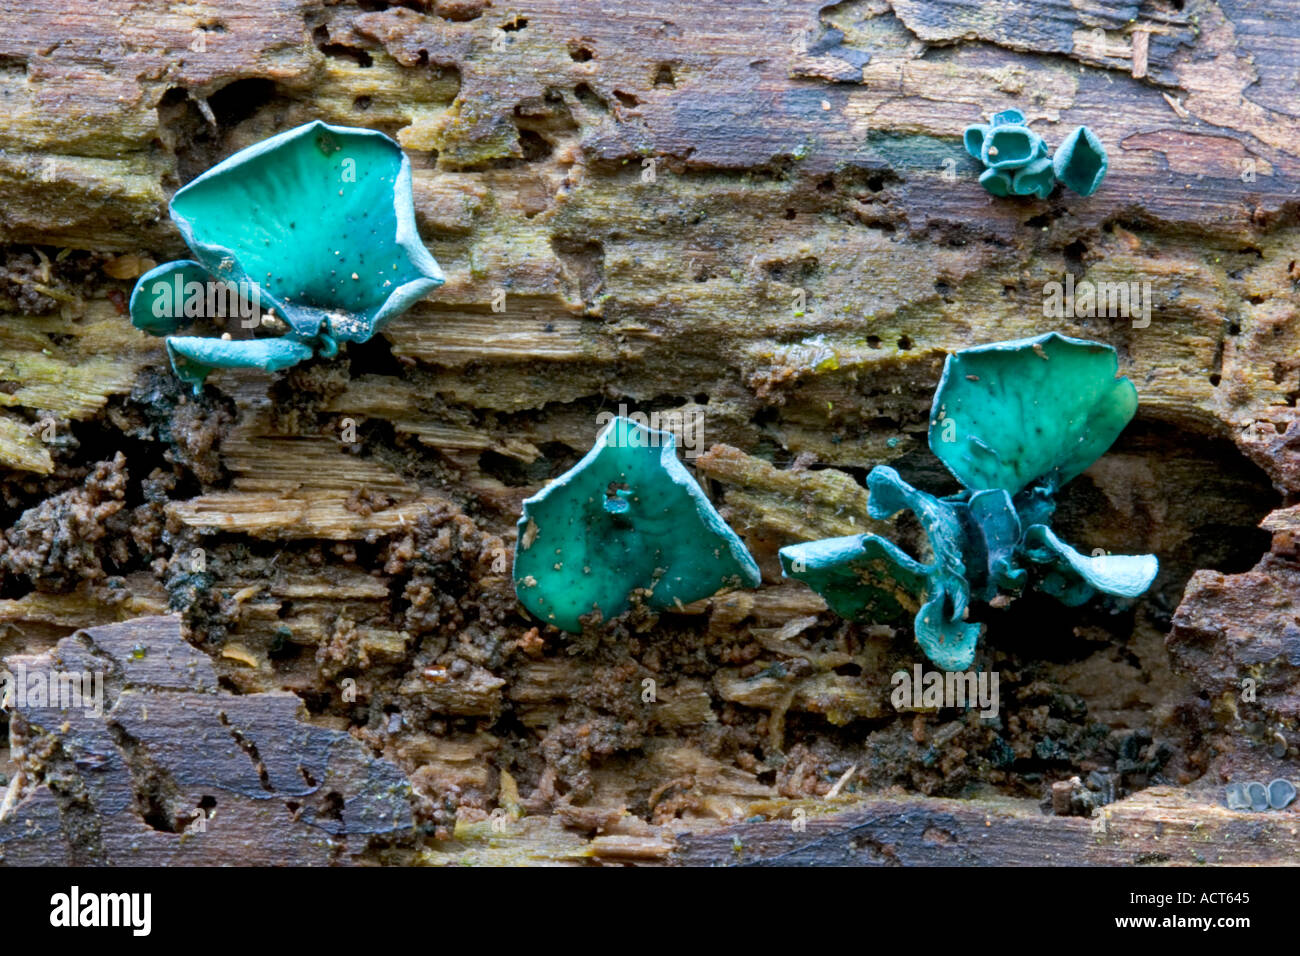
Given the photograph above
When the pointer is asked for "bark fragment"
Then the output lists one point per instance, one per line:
(177, 771)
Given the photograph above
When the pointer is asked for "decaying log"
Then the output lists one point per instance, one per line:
(1161, 825)
(761, 213)
(167, 769)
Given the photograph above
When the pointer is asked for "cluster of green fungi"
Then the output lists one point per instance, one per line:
(1256, 796)
(1016, 162)
(1013, 422)
(315, 227)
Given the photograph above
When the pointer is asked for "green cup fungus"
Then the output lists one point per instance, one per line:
(1016, 163)
(1013, 422)
(1080, 162)
(315, 225)
(1257, 797)
(627, 518)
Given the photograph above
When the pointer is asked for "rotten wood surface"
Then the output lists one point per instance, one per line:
(1161, 825)
(154, 765)
(761, 212)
